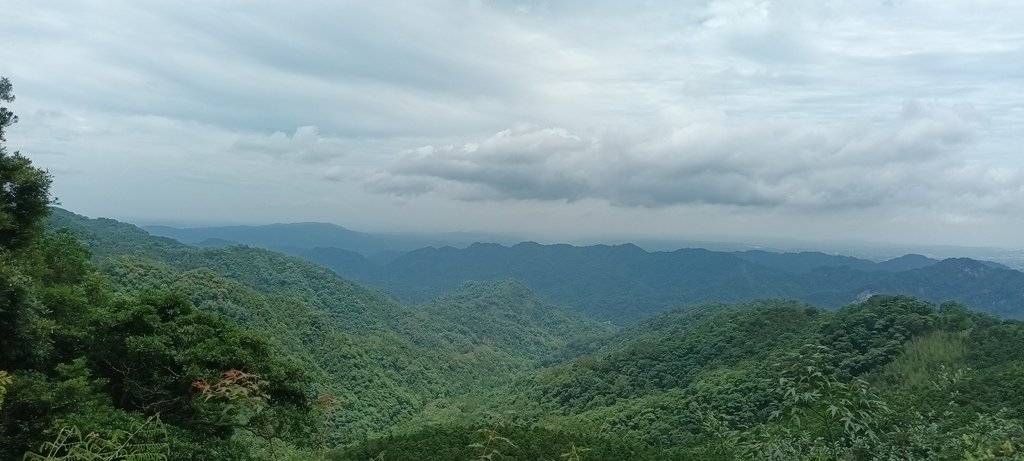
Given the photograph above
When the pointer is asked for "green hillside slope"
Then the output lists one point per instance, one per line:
(382, 360)
(761, 381)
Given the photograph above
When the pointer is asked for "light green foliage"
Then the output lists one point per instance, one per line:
(145, 441)
(5, 380)
(817, 399)
(993, 437)
(239, 399)
(825, 418)
(923, 359)
(492, 441)
(574, 454)
(507, 316)
(774, 380)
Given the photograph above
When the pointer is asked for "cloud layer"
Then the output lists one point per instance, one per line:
(914, 158)
(794, 117)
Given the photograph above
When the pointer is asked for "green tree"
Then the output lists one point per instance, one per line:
(84, 366)
(153, 349)
(24, 189)
(7, 118)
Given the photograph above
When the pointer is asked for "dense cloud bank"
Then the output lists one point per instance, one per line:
(915, 157)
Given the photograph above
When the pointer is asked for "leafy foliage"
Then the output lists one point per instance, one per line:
(5, 380)
(87, 371)
(144, 441)
(455, 442)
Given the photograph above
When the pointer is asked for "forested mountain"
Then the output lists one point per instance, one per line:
(808, 261)
(624, 283)
(508, 316)
(382, 360)
(297, 238)
(890, 378)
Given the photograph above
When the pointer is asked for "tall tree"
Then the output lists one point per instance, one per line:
(7, 118)
(24, 188)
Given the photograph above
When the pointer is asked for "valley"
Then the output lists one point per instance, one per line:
(709, 380)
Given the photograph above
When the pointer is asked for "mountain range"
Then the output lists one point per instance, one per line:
(624, 283)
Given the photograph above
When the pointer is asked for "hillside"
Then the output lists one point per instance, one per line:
(509, 317)
(382, 360)
(754, 382)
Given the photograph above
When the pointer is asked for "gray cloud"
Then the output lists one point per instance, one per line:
(306, 144)
(786, 116)
(910, 159)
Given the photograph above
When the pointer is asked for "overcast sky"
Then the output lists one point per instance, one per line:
(898, 120)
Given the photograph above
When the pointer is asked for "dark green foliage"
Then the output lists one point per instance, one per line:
(447, 443)
(98, 362)
(507, 316)
(662, 359)
(24, 189)
(743, 382)
(24, 200)
(871, 334)
(7, 118)
(85, 370)
(152, 349)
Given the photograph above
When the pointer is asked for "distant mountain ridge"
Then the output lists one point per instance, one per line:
(624, 283)
(296, 238)
(807, 261)
(312, 240)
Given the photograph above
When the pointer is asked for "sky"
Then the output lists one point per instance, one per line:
(891, 121)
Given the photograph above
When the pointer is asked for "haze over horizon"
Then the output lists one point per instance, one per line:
(879, 121)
